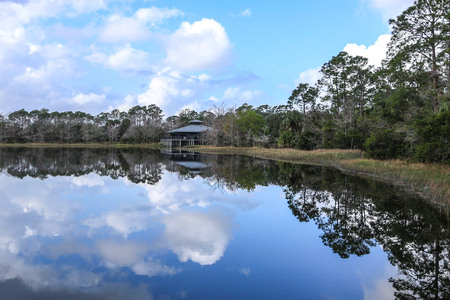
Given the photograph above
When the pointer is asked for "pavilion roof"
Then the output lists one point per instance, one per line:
(191, 129)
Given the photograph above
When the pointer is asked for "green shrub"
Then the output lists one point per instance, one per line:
(305, 141)
(286, 138)
(433, 133)
(385, 144)
(352, 140)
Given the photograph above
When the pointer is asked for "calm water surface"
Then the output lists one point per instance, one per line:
(138, 224)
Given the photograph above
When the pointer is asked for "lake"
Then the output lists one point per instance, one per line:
(144, 224)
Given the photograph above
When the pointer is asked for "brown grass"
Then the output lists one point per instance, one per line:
(431, 181)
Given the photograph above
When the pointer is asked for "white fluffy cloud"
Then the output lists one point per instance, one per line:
(171, 89)
(133, 255)
(136, 28)
(123, 221)
(83, 99)
(124, 59)
(201, 45)
(42, 77)
(310, 76)
(18, 14)
(126, 104)
(162, 89)
(85, 6)
(197, 236)
(20, 20)
(390, 8)
(165, 196)
(194, 105)
(236, 95)
(36, 67)
(35, 72)
(32, 209)
(89, 180)
(35, 87)
(39, 207)
(375, 53)
(121, 29)
(122, 253)
(155, 15)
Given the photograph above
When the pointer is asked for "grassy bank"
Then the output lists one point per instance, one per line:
(92, 146)
(431, 181)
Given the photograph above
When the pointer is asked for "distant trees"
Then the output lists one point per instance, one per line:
(141, 124)
(243, 126)
(302, 96)
(145, 124)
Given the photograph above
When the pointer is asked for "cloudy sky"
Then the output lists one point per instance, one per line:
(98, 55)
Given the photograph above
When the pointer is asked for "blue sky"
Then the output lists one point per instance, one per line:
(98, 55)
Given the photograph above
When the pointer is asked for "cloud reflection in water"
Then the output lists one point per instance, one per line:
(48, 239)
(198, 236)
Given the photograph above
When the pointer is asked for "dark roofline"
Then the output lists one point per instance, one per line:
(195, 122)
(193, 128)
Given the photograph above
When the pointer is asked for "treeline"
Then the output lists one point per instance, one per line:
(140, 124)
(399, 110)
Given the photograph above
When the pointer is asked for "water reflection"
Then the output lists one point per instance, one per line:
(200, 237)
(102, 218)
(355, 214)
(138, 165)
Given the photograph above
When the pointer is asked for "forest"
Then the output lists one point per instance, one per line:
(399, 110)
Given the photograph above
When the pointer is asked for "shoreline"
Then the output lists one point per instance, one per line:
(78, 145)
(429, 181)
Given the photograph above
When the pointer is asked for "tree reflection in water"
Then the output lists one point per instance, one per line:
(138, 165)
(354, 214)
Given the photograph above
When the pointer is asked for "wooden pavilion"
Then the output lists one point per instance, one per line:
(192, 134)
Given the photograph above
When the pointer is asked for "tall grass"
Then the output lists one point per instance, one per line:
(432, 181)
